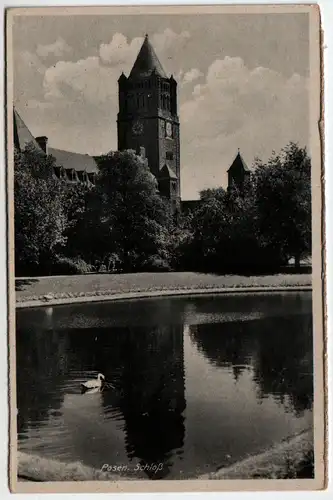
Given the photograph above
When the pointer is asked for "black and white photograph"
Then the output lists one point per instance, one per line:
(164, 187)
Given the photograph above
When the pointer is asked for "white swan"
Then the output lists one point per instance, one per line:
(93, 384)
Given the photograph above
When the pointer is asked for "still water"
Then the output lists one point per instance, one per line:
(200, 382)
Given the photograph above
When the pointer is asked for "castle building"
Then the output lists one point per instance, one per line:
(148, 123)
(148, 118)
(69, 166)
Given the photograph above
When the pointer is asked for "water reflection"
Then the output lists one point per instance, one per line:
(277, 349)
(42, 364)
(167, 406)
(146, 366)
(152, 393)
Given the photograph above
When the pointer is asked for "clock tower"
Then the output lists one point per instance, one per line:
(148, 118)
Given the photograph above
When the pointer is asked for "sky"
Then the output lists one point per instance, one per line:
(242, 83)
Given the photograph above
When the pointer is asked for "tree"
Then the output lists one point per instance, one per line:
(89, 232)
(135, 216)
(283, 199)
(84, 234)
(40, 218)
(223, 230)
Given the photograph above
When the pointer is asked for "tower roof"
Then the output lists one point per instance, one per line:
(167, 172)
(147, 62)
(239, 162)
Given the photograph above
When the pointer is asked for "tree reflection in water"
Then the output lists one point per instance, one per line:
(146, 366)
(278, 350)
(140, 349)
(42, 361)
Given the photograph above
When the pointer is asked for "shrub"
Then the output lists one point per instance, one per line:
(66, 265)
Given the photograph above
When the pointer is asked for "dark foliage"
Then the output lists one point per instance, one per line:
(122, 224)
(258, 228)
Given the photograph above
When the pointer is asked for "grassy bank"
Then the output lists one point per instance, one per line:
(92, 285)
(39, 469)
(291, 459)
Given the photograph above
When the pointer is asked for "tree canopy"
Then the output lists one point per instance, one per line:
(283, 198)
(124, 219)
(136, 216)
(40, 219)
(263, 224)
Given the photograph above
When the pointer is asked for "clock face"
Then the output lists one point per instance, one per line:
(137, 127)
(168, 129)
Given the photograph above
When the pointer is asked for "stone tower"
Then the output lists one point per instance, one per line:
(148, 118)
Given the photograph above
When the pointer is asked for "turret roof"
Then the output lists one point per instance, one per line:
(239, 161)
(147, 62)
(167, 171)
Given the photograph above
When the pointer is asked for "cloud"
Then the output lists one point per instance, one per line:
(120, 51)
(257, 110)
(231, 106)
(191, 75)
(80, 98)
(85, 79)
(95, 78)
(168, 39)
(57, 49)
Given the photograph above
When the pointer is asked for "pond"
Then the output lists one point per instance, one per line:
(199, 381)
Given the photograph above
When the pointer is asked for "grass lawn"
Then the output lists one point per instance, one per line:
(290, 459)
(28, 289)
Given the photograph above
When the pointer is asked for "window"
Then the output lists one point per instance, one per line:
(169, 155)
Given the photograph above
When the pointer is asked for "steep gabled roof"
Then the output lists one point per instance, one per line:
(147, 62)
(76, 161)
(66, 159)
(239, 162)
(167, 171)
(22, 135)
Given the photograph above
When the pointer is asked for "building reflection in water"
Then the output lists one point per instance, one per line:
(147, 367)
(277, 349)
(143, 419)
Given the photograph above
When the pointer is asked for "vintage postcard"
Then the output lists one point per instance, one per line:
(165, 216)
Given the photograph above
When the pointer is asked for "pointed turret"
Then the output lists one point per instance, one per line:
(239, 172)
(147, 62)
(239, 163)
